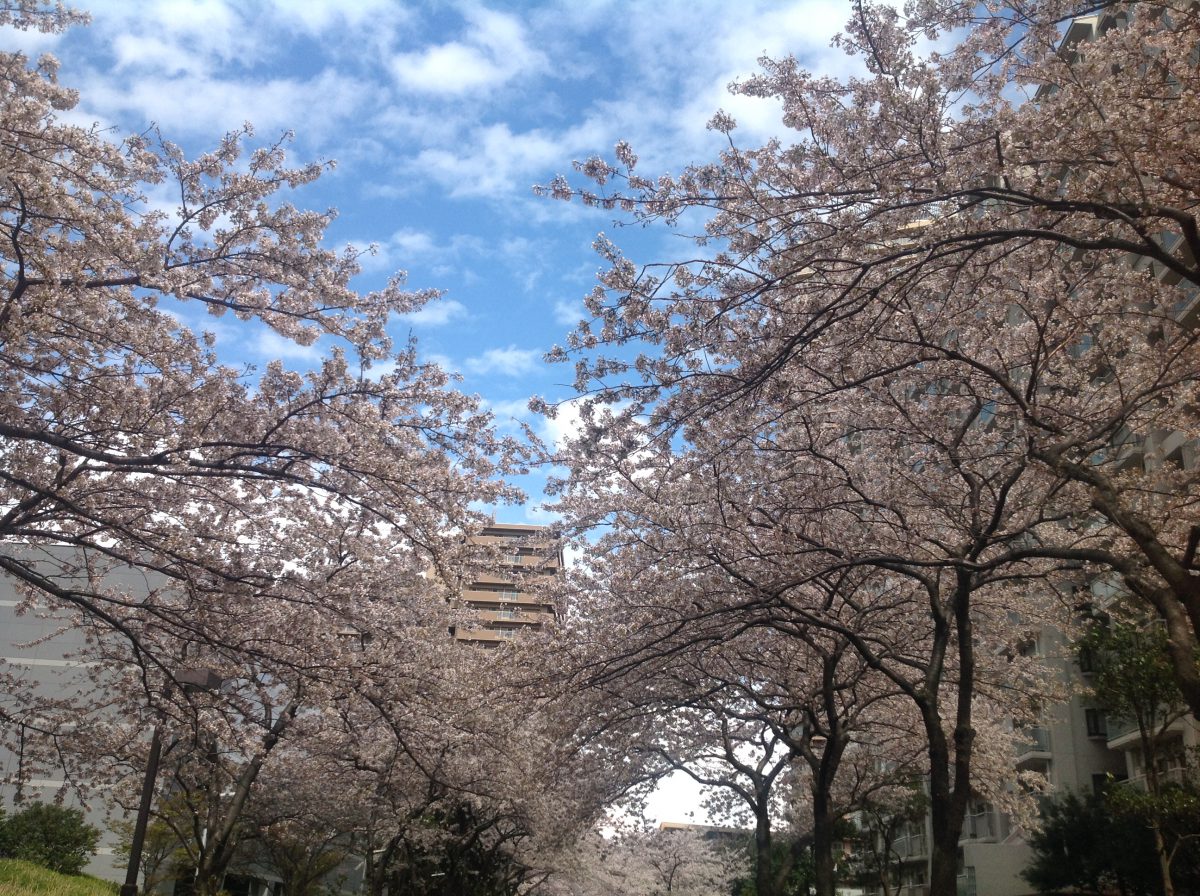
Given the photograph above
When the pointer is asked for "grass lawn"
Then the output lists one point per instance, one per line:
(19, 878)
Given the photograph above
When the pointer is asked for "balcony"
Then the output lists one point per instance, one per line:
(1123, 733)
(518, 617)
(913, 847)
(987, 825)
(479, 596)
(1038, 742)
(1037, 746)
(1177, 775)
(485, 635)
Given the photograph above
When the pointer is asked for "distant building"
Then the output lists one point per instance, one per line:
(707, 831)
(503, 601)
(40, 648)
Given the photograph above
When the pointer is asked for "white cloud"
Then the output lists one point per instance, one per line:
(173, 36)
(320, 17)
(31, 42)
(449, 68)
(208, 106)
(510, 409)
(411, 242)
(443, 361)
(270, 346)
(434, 254)
(563, 426)
(492, 52)
(494, 162)
(511, 361)
(438, 313)
(568, 313)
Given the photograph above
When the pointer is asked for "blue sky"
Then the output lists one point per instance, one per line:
(441, 116)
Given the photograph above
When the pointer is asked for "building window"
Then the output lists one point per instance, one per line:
(1087, 661)
(1097, 725)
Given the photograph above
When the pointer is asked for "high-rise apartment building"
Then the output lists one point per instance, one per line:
(503, 601)
(42, 648)
(1075, 749)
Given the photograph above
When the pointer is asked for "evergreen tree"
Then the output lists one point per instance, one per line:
(55, 837)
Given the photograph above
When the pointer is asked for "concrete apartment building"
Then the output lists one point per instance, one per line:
(1076, 749)
(39, 649)
(1069, 749)
(502, 600)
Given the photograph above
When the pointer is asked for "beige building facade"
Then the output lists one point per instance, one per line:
(503, 599)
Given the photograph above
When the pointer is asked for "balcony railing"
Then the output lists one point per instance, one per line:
(910, 847)
(989, 825)
(1038, 742)
(1119, 728)
(1176, 775)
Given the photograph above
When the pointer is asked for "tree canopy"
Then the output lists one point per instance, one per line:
(929, 373)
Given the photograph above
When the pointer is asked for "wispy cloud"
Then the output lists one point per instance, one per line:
(511, 361)
(568, 313)
(438, 313)
(510, 409)
(321, 17)
(31, 42)
(200, 105)
(566, 424)
(171, 36)
(270, 346)
(407, 241)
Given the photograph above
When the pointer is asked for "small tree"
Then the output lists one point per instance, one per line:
(795, 859)
(164, 856)
(1074, 849)
(881, 823)
(656, 863)
(302, 854)
(1133, 680)
(52, 836)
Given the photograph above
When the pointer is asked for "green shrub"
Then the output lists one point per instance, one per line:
(54, 837)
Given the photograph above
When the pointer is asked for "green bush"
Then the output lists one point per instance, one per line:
(54, 837)
(1084, 847)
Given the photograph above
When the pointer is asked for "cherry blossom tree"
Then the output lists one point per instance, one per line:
(450, 771)
(179, 513)
(694, 558)
(295, 535)
(1015, 205)
(633, 862)
(126, 439)
(943, 336)
(780, 724)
